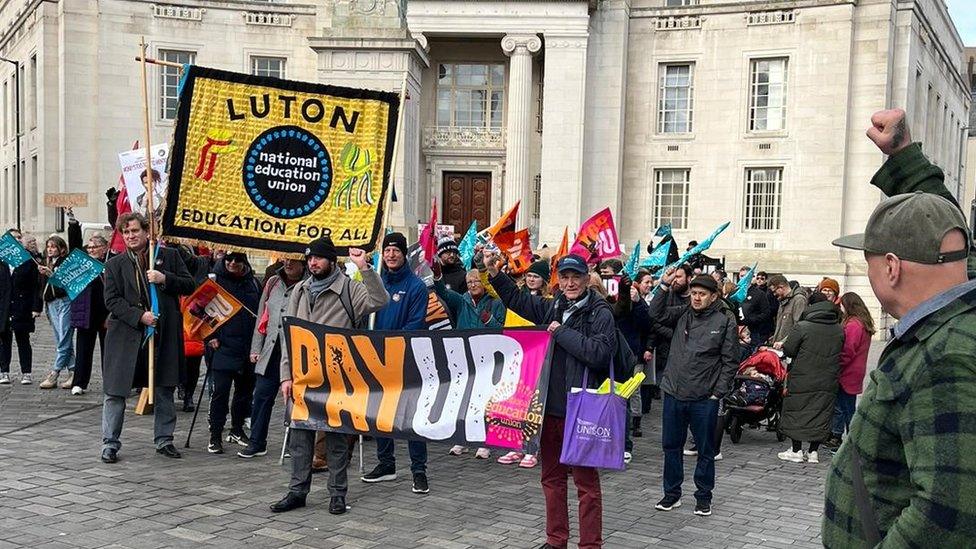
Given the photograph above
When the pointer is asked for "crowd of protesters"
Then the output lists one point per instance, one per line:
(687, 328)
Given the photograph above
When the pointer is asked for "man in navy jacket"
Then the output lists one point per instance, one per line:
(406, 310)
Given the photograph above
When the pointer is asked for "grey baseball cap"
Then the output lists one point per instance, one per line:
(911, 226)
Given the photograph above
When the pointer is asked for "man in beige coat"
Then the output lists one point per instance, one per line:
(792, 303)
(330, 298)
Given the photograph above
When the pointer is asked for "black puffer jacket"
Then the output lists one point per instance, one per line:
(704, 349)
(586, 340)
(235, 334)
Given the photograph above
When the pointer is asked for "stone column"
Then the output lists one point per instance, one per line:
(562, 135)
(521, 48)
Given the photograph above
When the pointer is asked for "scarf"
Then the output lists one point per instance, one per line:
(318, 285)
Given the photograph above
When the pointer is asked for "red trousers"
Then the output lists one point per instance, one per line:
(554, 488)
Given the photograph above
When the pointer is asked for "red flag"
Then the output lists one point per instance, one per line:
(561, 252)
(505, 224)
(597, 238)
(428, 237)
(122, 206)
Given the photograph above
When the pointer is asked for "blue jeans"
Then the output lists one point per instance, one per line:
(843, 412)
(418, 454)
(59, 314)
(265, 394)
(678, 416)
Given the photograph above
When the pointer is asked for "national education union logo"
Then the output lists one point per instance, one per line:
(287, 172)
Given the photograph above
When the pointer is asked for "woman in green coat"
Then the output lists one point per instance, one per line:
(814, 344)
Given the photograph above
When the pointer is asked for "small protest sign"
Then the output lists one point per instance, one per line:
(76, 273)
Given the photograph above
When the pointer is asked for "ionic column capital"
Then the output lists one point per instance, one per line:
(521, 44)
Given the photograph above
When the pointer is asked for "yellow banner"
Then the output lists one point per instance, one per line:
(269, 164)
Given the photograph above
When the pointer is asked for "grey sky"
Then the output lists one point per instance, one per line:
(963, 14)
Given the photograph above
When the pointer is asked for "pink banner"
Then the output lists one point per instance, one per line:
(597, 239)
(512, 422)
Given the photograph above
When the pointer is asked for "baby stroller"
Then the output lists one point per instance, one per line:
(756, 395)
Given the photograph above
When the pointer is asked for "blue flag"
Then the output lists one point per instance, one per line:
(11, 251)
(76, 273)
(740, 294)
(659, 256)
(466, 247)
(153, 304)
(630, 269)
(663, 230)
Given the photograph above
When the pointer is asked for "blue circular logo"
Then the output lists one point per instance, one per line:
(287, 172)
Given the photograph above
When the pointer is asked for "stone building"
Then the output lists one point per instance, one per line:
(693, 112)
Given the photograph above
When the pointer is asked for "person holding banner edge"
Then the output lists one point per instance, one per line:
(57, 304)
(127, 298)
(407, 310)
(323, 298)
(584, 331)
(88, 312)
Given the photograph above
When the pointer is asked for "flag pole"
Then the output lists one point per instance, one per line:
(150, 207)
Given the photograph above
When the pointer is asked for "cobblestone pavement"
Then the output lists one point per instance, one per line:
(54, 491)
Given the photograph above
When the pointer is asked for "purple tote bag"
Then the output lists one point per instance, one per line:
(594, 432)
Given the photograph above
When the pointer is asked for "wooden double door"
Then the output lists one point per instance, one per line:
(467, 197)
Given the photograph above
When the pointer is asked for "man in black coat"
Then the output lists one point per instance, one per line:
(127, 297)
(704, 357)
(20, 304)
(757, 313)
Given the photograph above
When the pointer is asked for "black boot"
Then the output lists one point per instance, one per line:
(337, 505)
(287, 503)
(636, 429)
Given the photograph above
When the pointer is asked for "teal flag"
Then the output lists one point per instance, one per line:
(76, 273)
(740, 294)
(659, 256)
(11, 251)
(466, 247)
(630, 269)
(663, 230)
(701, 247)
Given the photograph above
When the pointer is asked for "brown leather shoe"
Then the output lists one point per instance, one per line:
(319, 465)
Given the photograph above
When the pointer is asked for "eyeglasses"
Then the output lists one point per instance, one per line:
(94, 247)
(234, 260)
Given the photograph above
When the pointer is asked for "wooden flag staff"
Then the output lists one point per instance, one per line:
(147, 396)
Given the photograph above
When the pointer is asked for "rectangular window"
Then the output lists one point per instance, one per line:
(764, 199)
(767, 103)
(675, 98)
(4, 119)
(671, 197)
(268, 66)
(22, 84)
(471, 96)
(32, 93)
(169, 80)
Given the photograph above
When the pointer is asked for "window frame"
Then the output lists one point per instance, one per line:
(489, 90)
(254, 58)
(661, 125)
(163, 74)
(656, 197)
(756, 223)
(753, 85)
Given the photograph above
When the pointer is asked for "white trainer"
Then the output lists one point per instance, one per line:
(790, 455)
(812, 457)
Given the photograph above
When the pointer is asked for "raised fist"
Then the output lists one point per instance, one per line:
(889, 131)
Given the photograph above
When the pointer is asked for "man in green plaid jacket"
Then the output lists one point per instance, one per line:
(906, 475)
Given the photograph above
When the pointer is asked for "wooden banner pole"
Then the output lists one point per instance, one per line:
(150, 212)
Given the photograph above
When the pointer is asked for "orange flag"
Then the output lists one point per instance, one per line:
(561, 252)
(506, 224)
(207, 309)
(517, 247)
